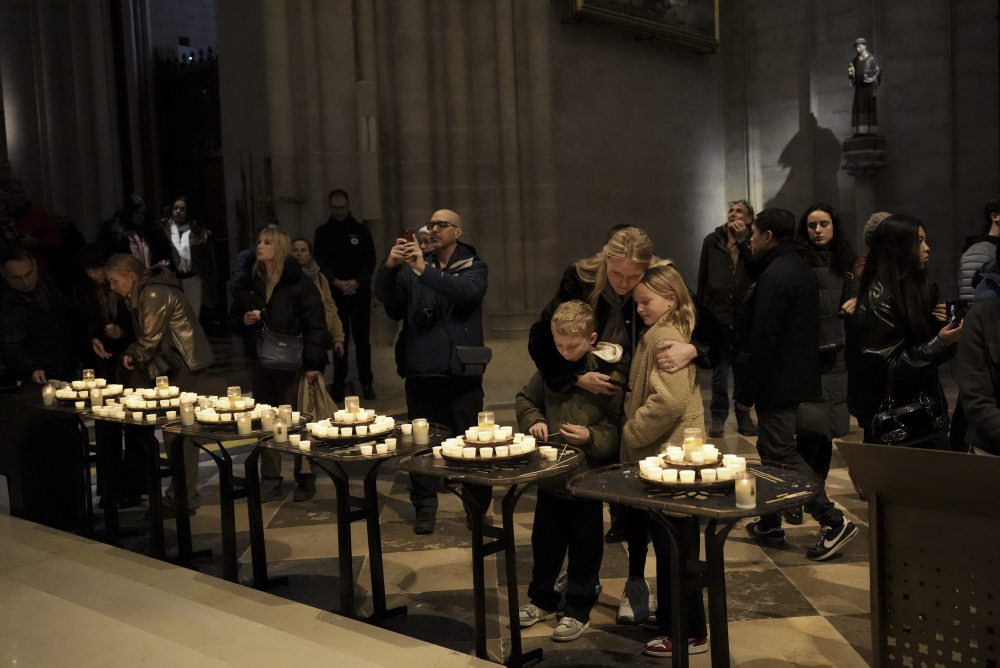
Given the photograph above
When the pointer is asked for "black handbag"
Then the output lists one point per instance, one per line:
(469, 361)
(278, 351)
(895, 424)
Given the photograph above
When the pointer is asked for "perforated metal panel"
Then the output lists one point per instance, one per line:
(939, 594)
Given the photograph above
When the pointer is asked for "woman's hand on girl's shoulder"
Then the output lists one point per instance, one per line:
(673, 356)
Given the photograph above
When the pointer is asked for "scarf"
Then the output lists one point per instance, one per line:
(180, 237)
(140, 249)
(311, 270)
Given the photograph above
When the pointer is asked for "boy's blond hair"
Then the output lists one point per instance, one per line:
(574, 317)
(663, 278)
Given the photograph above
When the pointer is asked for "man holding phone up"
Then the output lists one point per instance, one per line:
(439, 298)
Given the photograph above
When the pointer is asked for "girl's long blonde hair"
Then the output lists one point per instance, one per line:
(663, 278)
(627, 243)
(127, 263)
(282, 249)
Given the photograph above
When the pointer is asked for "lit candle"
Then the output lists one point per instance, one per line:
(243, 424)
(187, 415)
(162, 383)
(267, 419)
(421, 432)
(88, 374)
(48, 395)
(280, 431)
(746, 490)
(96, 398)
(485, 419)
(233, 392)
(352, 404)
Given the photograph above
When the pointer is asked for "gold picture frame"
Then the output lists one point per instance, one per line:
(692, 23)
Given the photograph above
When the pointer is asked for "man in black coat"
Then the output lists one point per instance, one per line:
(779, 368)
(345, 252)
(35, 323)
(722, 283)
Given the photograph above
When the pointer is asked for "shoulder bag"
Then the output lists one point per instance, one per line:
(895, 423)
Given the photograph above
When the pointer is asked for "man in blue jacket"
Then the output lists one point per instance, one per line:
(439, 298)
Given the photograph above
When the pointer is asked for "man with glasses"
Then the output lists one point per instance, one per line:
(35, 323)
(345, 252)
(722, 284)
(439, 298)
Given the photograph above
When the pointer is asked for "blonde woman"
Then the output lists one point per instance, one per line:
(659, 407)
(168, 342)
(276, 294)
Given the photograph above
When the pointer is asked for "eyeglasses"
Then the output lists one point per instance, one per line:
(440, 224)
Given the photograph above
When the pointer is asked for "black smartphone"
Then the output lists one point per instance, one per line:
(409, 234)
(620, 385)
(955, 311)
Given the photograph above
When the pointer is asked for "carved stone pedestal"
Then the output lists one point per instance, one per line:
(865, 157)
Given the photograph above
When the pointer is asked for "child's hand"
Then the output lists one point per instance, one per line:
(596, 383)
(574, 434)
(540, 431)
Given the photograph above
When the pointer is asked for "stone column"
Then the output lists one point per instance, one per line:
(865, 158)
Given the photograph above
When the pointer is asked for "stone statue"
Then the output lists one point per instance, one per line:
(865, 76)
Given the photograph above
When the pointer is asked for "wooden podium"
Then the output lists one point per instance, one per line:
(935, 554)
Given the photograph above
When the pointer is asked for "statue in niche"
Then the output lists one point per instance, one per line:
(865, 76)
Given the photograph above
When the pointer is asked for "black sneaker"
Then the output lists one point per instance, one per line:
(793, 515)
(717, 428)
(614, 535)
(745, 424)
(831, 539)
(773, 536)
(425, 523)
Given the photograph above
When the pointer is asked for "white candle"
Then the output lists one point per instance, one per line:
(362, 430)
(294, 439)
(346, 431)
(171, 415)
(48, 395)
(151, 417)
(502, 451)
(485, 436)
(267, 419)
(669, 475)
(697, 457)
(407, 429)
(469, 453)
(243, 425)
(187, 414)
(305, 446)
(486, 453)
(381, 448)
(137, 416)
(421, 432)
(746, 490)
(366, 450)
(280, 431)
(687, 476)
(437, 451)
(708, 475)
(518, 438)
(551, 455)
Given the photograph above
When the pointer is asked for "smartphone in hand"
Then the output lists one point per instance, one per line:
(409, 234)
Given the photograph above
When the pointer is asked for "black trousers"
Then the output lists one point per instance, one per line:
(694, 604)
(455, 403)
(128, 466)
(275, 388)
(356, 316)
(566, 525)
(637, 537)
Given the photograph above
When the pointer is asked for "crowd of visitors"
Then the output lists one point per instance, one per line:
(809, 332)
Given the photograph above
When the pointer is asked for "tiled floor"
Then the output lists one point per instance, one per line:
(783, 609)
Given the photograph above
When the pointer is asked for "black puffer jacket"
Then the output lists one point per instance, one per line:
(295, 307)
(113, 235)
(778, 359)
(979, 369)
(880, 334)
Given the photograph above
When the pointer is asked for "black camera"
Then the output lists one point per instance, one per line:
(424, 318)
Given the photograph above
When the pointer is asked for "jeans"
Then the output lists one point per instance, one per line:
(719, 407)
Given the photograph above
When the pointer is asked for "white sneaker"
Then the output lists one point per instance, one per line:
(531, 614)
(634, 607)
(569, 629)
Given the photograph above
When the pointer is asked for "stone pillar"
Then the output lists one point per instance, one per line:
(865, 158)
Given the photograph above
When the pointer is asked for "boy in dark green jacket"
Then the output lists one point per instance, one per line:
(592, 423)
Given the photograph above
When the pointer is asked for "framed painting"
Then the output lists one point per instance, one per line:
(693, 23)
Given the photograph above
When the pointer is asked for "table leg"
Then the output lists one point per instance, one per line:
(157, 547)
(227, 497)
(516, 658)
(679, 584)
(108, 438)
(379, 611)
(715, 540)
(345, 550)
(258, 551)
(475, 514)
(175, 451)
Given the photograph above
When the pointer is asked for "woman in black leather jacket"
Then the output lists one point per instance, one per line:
(896, 336)
(278, 294)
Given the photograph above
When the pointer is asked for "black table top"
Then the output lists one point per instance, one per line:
(620, 483)
(225, 431)
(351, 452)
(531, 469)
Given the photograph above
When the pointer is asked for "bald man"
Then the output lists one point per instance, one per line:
(439, 298)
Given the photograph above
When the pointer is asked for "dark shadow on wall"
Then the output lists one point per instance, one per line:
(813, 158)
